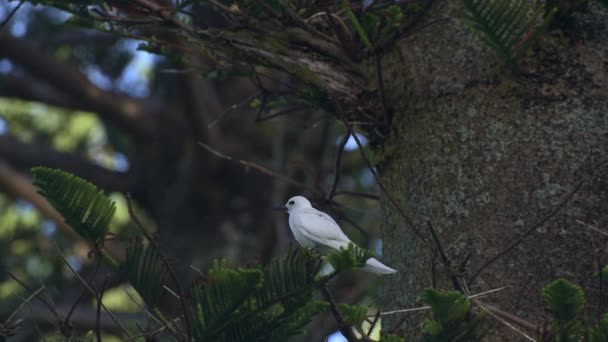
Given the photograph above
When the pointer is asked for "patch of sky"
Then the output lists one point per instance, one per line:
(48, 228)
(135, 78)
(6, 66)
(96, 76)
(23, 206)
(367, 178)
(336, 337)
(19, 28)
(378, 247)
(351, 143)
(74, 262)
(3, 126)
(121, 163)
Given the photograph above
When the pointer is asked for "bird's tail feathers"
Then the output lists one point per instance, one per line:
(375, 266)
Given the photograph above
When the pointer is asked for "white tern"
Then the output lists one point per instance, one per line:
(315, 229)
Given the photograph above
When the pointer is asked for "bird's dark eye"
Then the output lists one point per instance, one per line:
(291, 202)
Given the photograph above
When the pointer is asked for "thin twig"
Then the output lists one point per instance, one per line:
(58, 319)
(167, 265)
(444, 258)
(11, 14)
(98, 312)
(343, 326)
(357, 194)
(84, 291)
(388, 195)
(86, 285)
(23, 302)
(373, 324)
(154, 332)
(527, 232)
(257, 167)
(232, 108)
(492, 311)
(592, 227)
(338, 166)
(426, 307)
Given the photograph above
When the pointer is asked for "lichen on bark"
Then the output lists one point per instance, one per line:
(484, 154)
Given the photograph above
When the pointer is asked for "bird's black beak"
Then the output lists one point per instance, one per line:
(281, 208)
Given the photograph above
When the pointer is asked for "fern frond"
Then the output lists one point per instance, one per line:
(290, 279)
(84, 207)
(257, 304)
(508, 26)
(451, 323)
(145, 271)
(565, 299)
(348, 258)
(216, 299)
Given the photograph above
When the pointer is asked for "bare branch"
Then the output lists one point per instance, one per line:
(27, 155)
(88, 287)
(134, 115)
(166, 263)
(257, 167)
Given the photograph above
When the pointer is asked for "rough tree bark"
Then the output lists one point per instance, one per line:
(485, 154)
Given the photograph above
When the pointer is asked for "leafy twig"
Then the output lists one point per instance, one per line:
(444, 258)
(338, 165)
(343, 326)
(165, 262)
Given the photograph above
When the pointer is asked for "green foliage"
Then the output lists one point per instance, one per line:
(353, 314)
(604, 2)
(507, 26)
(599, 332)
(566, 301)
(382, 25)
(453, 318)
(348, 258)
(392, 338)
(84, 207)
(145, 271)
(257, 304)
(604, 274)
(216, 299)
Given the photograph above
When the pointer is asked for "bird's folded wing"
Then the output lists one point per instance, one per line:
(320, 228)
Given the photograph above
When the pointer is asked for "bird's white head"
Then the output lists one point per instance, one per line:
(297, 202)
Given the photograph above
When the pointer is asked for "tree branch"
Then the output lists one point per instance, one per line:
(24, 155)
(135, 116)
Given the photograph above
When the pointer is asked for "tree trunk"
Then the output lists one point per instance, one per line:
(485, 154)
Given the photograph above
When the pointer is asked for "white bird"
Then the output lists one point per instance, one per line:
(315, 229)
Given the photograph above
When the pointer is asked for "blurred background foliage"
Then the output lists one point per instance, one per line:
(202, 207)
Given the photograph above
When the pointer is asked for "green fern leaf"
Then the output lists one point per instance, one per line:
(508, 26)
(348, 258)
(449, 307)
(145, 271)
(84, 207)
(290, 279)
(565, 299)
(453, 319)
(217, 299)
(353, 314)
(291, 324)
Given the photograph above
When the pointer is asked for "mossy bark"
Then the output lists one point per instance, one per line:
(485, 153)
